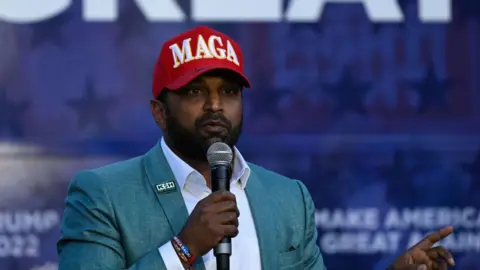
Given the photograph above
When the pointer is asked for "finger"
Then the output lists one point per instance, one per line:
(442, 266)
(441, 253)
(439, 265)
(433, 238)
(230, 231)
(421, 258)
(234, 222)
(219, 196)
(227, 218)
(225, 206)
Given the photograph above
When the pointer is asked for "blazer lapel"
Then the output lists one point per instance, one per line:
(167, 191)
(264, 214)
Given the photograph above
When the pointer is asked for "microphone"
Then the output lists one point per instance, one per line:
(219, 156)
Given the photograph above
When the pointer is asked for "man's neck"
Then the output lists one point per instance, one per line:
(201, 166)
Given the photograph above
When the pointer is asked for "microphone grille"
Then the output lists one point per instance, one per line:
(219, 153)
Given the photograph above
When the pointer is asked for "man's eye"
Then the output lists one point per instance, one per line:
(230, 91)
(194, 91)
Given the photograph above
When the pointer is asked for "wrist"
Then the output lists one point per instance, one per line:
(183, 251)
(186, 241)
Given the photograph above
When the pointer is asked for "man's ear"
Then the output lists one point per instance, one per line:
(159, 113)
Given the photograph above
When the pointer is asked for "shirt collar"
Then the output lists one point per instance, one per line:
(182, 171)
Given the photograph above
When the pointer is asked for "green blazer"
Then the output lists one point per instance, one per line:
(115, 218)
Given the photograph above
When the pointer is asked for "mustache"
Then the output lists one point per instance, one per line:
(212, 117)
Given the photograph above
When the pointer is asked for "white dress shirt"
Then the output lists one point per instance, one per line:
(245, 250)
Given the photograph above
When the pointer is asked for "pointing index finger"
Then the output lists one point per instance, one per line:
(434, 237)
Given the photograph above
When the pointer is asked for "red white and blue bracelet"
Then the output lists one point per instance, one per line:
(183, 251)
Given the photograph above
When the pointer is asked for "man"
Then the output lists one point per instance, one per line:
(157, 211)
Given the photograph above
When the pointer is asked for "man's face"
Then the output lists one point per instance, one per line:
(207, 110)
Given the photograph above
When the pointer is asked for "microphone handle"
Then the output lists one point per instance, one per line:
(220, 175)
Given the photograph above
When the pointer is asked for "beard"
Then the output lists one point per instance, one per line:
(194, 144)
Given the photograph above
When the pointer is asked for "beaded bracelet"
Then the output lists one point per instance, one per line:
(183, 251)
(181, 255)
(179, 252)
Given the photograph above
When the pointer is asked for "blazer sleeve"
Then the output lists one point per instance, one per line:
(90, 238)
(313, 259)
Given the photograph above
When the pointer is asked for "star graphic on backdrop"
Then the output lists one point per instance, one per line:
(91, 109)
(473, 169)
(131, 24)
(378, 27)
(348, 93)
(11, 113)
(432, 90)
(467, 9)
(50, 30)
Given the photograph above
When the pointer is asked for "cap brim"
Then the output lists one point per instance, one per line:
(194, 73)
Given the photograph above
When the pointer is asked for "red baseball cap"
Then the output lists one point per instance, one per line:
(193, 53)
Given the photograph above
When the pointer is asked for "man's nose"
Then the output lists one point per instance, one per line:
(213, 102)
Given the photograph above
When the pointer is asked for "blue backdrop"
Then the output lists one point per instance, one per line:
(380, 121)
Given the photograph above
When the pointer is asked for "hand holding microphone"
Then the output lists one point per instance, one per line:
(214, 220)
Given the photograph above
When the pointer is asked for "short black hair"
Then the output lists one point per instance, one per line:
(162, 97)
